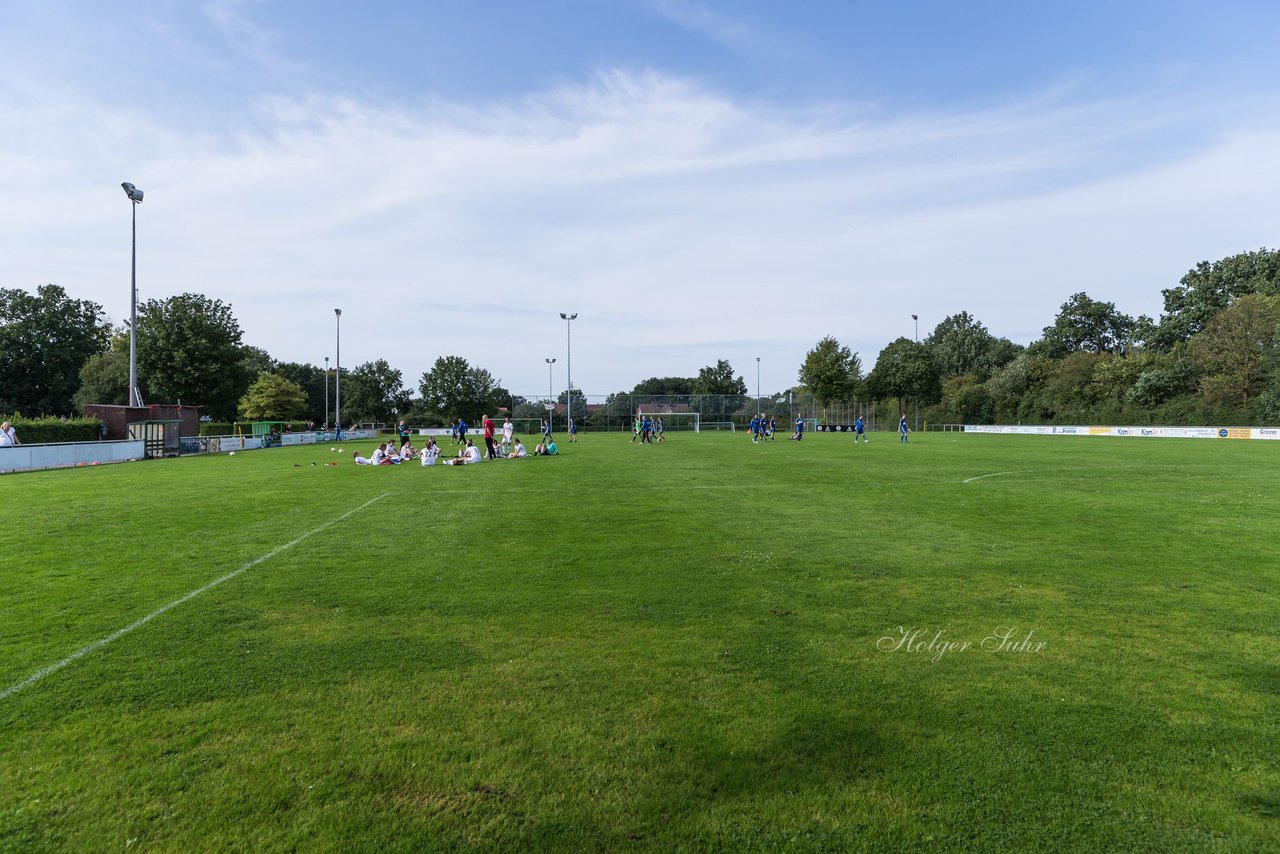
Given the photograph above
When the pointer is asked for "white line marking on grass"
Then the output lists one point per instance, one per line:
(995, 474)
(116, 635)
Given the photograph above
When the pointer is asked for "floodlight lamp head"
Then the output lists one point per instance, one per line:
(134, 194)
(564, 316)
(337, 312)
(549, 361)
(915, 317)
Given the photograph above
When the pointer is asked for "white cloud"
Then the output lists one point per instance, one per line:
(667, 215)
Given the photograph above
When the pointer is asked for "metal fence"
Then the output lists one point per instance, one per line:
(618, 411)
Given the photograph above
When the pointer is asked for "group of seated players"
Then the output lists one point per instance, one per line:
(430, 454)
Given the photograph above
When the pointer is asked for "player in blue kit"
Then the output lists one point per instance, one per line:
(799, 434)
(859, 432)
(902, 428)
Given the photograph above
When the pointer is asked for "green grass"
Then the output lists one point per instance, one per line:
(662, 648)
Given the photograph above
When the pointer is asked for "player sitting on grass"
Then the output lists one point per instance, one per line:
(470, 454)
(517, 449)
(799, 434)
(430, 453)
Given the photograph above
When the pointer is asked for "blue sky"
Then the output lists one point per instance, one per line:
(699, 180)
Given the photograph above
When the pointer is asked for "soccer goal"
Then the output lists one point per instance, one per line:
(676, 420)
(719, 425)
(524, 426)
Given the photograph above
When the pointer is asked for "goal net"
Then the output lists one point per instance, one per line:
(675, 420)
(524, 427)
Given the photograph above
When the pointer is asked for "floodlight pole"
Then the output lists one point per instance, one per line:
(916, 318)
(135, 197)
(326, 393)
(337, 379)
(568, 398)
(550, 392)
(757, 386)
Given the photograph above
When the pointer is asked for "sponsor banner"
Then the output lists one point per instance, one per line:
(1143, 432)
(1019, 429)
(1132, 432)
(195, 444)
(835, 428)
(291, 439)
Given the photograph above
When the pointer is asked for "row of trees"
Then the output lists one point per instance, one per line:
(1213, 357)
(58, 354)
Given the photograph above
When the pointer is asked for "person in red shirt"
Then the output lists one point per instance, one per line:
(488, 438)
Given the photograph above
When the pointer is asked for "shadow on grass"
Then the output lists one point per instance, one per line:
(813, 751)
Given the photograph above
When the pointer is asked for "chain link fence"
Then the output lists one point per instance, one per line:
(618, 411)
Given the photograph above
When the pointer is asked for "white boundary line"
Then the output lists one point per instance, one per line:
(116, 635)
(995, 474)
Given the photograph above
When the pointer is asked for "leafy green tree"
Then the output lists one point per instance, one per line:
(999, 352)
(579, 400)
(718, 393)
(674, 386)
(454, 389)
(373, 391)
(904, 370)
(580, 414)
(1234, 346)
(960, 344)
(1071, 383)
(105, 376)
(311, 379)
(831, 371)
(1162, 382)
(45, 339)
(1208, 288)
(254, 361)
(273, 398)
(1086, 325)
(189, 349)
(967, 401)
(618, 408)
(718, 379)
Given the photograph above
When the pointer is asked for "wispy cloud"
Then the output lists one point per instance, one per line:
(665, 213)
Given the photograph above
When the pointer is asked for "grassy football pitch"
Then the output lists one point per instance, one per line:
(965, 643)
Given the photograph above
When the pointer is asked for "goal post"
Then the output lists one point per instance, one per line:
(675, 420)
(719, 425)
